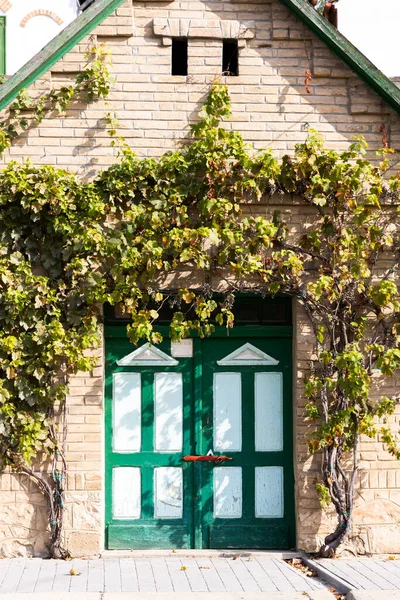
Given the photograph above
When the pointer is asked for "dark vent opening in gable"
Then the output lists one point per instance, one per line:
(179, 57)
(230, 57)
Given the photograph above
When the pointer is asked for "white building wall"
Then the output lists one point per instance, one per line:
(27, 36)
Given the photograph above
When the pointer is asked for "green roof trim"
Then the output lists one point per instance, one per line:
(56, 49)
(345, 50)
(100, 9)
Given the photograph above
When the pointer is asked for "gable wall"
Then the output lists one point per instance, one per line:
(270, 108)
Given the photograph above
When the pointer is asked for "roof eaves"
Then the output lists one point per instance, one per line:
(56, 49)
(355, 59)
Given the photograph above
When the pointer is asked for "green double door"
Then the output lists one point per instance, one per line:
(199, 442)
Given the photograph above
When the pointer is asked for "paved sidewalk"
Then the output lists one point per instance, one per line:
(363, 574)
(368, 595)
(250, 574)
(317, 595)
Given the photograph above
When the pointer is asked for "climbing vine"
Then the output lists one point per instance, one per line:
(92, 82)
(68, 247)
(25, 432)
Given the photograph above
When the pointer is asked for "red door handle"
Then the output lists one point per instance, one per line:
(207, 458)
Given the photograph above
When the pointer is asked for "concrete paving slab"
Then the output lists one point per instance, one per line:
(374, 595)
(342, 586)
(235, 573)
(210, 553)
(316, 595)
(320, 595)
(364, 574)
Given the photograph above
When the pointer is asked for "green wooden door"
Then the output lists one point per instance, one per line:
(247, 502)
(149, 427)
(220, 396)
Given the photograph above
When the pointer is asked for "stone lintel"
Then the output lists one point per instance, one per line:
(203, 28)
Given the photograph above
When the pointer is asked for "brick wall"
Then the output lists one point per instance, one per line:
(271, 109)
(376, 526)
(23, 510)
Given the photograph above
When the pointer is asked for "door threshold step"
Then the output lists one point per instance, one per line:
(199, 553)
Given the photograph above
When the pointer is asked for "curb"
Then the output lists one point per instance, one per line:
(337, 582)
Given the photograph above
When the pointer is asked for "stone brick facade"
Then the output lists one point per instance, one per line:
(271, 109)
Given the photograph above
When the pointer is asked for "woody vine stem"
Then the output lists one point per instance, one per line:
(93, 82)
(68, 246)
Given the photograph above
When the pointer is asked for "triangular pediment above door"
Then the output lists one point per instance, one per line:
(247, 355)
(147, 356)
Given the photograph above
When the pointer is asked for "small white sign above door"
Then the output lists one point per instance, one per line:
(182, 349)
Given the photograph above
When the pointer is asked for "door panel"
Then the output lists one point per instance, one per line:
(168, 492)
(232, 398)
(126, 493)
(247, 390)
(227, 492)
(149, 427)
(269, 495)
(227, 406)
(127, 409)
(168, 413)
(268, 412)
